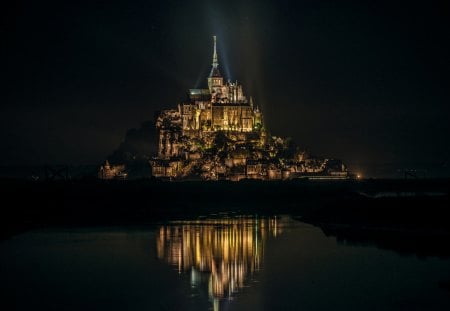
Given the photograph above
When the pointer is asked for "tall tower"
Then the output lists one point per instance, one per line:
(215, 78)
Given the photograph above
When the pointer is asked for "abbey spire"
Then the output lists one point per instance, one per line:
(215, 64)
(215, 78)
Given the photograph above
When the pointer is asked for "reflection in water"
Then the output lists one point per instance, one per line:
(228, 250)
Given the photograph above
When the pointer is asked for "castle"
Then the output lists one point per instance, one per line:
(218, 133)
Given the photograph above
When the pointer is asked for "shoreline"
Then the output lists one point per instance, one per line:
(348, 203)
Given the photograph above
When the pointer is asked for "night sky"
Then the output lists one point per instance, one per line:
(363, 81)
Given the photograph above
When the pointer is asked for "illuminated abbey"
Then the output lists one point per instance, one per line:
(220, 107)
(219, 133)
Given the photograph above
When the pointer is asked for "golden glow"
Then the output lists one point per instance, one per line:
(228, 250)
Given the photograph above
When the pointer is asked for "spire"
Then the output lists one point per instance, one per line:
(215, 64)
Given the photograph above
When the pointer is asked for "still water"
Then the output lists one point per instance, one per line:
(222, 263)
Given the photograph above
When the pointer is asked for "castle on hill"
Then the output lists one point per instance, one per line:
(218, 133)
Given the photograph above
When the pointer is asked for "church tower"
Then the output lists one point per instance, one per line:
(215, 78)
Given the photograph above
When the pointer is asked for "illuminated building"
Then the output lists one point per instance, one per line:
(217, 133)
(108, 171)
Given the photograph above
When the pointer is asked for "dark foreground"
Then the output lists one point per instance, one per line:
(90, 245)
(224, 262)
(390, 205)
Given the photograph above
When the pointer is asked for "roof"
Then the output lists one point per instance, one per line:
(215, 72)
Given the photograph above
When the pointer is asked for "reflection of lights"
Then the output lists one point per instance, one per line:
(227, 249)
(195, 277)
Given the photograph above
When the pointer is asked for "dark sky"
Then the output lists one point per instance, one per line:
(364, 81)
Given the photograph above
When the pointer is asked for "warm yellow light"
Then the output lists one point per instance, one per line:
(229, 250)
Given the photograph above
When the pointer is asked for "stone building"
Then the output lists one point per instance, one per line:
(218, 133)
(222, 106)
(108, 171)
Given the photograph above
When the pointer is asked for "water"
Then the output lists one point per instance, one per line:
(238, 263)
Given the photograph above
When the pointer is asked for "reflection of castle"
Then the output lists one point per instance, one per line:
(217, 133)
(229, 250)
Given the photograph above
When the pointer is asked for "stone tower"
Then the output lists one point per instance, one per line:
(215, 78)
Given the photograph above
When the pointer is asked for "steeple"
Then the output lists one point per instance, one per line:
(215, 79)
(215, 64)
